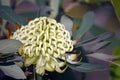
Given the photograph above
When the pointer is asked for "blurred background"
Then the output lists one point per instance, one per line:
(107, 19)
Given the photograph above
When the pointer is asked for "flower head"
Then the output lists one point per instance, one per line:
(45, 44)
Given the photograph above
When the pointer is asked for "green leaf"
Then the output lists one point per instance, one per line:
(86, 67)
(104, 36)
(9, 45)
(13, 71)
(96, 39)
(115, 71)
(86, 24)
(116, 5)
(5, 59)
(67, 22)
(6, 55)
(115, 42)
(8, 14)
(99, 46)
(116, 51)
(96, 30)
(41, 3)
(104, 57)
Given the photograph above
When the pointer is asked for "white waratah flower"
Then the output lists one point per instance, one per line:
(45, 43)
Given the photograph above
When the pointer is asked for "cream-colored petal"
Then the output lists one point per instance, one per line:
(48, 67)
(30, 60)
(45, 41)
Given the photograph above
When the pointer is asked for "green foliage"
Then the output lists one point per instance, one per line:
(104, 57)
(98, 46)
(115, 42)
(116, 51)
(97, 30)
(9, 58)
(115, 70)
(97, 39)
(86, 67)
(8, 14)
(9, 45)
(67, 22)
(116, 5)
(41, 3)
(85, 25)
(13, 71)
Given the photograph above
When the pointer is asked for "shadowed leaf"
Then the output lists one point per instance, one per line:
(8, 14)
(16, 59)
(41, 3)
(104, 57)
(95, 39)
(86, 24)
(13, 71)
(97, 30)
(67, 22)
(10, 58)
(6, 55)
(86, 67)
(104, 36)
(98, 46)
(9, 45)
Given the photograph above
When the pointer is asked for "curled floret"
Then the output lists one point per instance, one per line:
(45, 43)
